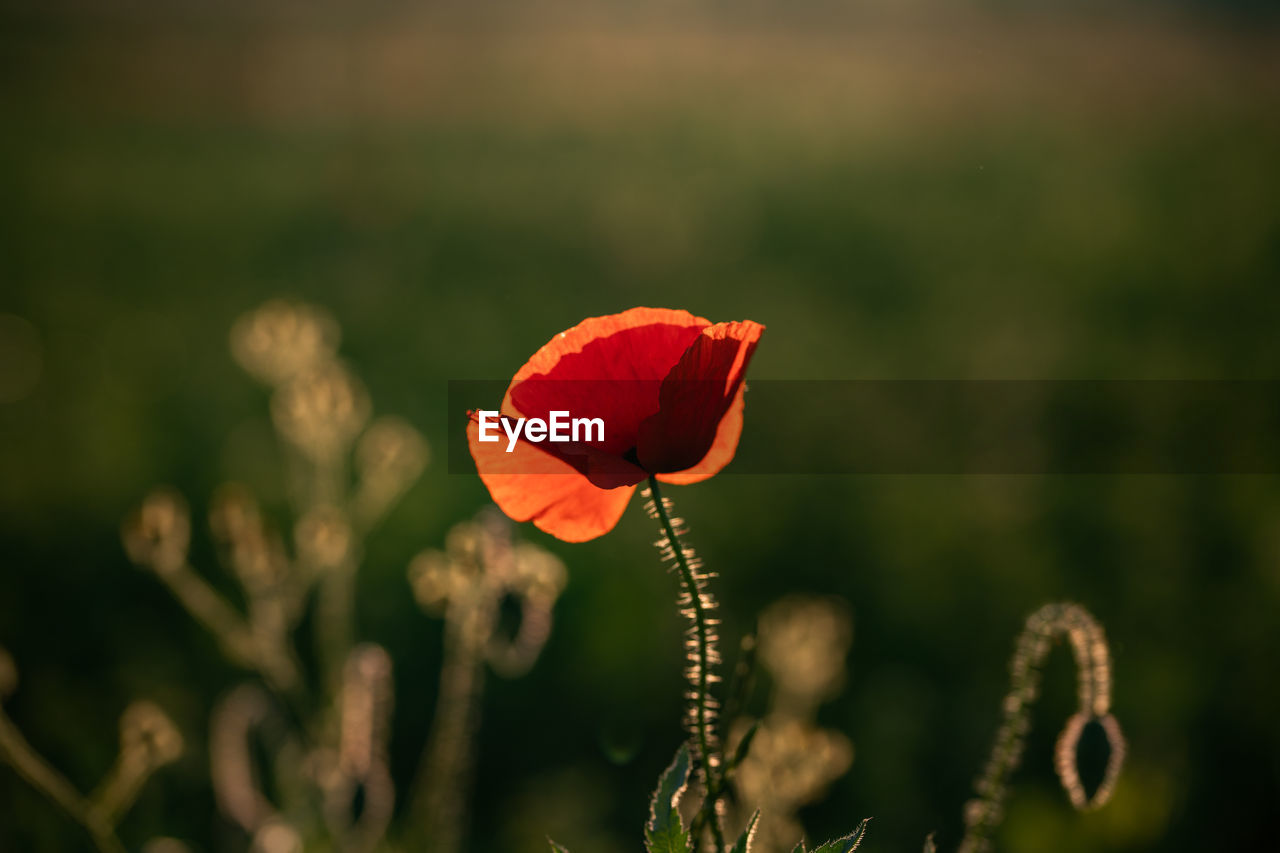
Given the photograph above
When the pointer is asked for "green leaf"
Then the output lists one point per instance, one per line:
(744, 745)
(799, 848)
(671, 786)
(744, 841)
(557, 848)
(665, 832)
(848, 843)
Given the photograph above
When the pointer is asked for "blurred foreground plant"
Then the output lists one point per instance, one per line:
(790, 760)
(326, 780)
(466, 584)
(328, 739)
(148, 741)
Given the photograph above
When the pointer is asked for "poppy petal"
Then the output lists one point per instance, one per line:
(666, 337)
(722, 449)
(607, 367)
(695, 398)
(530, 484)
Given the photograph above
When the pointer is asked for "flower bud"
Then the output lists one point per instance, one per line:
(321, 411)
(158, 533)
(283, 338)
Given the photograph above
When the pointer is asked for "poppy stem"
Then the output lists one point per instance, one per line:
(696, 604)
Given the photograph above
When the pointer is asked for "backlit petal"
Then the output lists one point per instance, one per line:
(530, 484)
(695, 398)
(722, 449)
(608, 367)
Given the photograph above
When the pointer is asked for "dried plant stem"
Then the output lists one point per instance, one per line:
(447, 766)
(362, 754)
(335, 611)
(467, 583)
(272, 661)
(233, 634)
(210, 610)
(22, 757)
(335, 622)
(696, 604)
(120, 789)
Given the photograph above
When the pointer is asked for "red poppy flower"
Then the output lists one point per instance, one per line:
(669, 389)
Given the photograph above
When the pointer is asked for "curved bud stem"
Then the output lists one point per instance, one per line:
(1093, 693)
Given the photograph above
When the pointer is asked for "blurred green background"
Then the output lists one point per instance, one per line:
(946, 190)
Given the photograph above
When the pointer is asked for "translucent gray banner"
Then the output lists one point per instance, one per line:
(962, 426)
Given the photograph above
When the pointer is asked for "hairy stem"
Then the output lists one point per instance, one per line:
(738, 688)
(696, 604)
